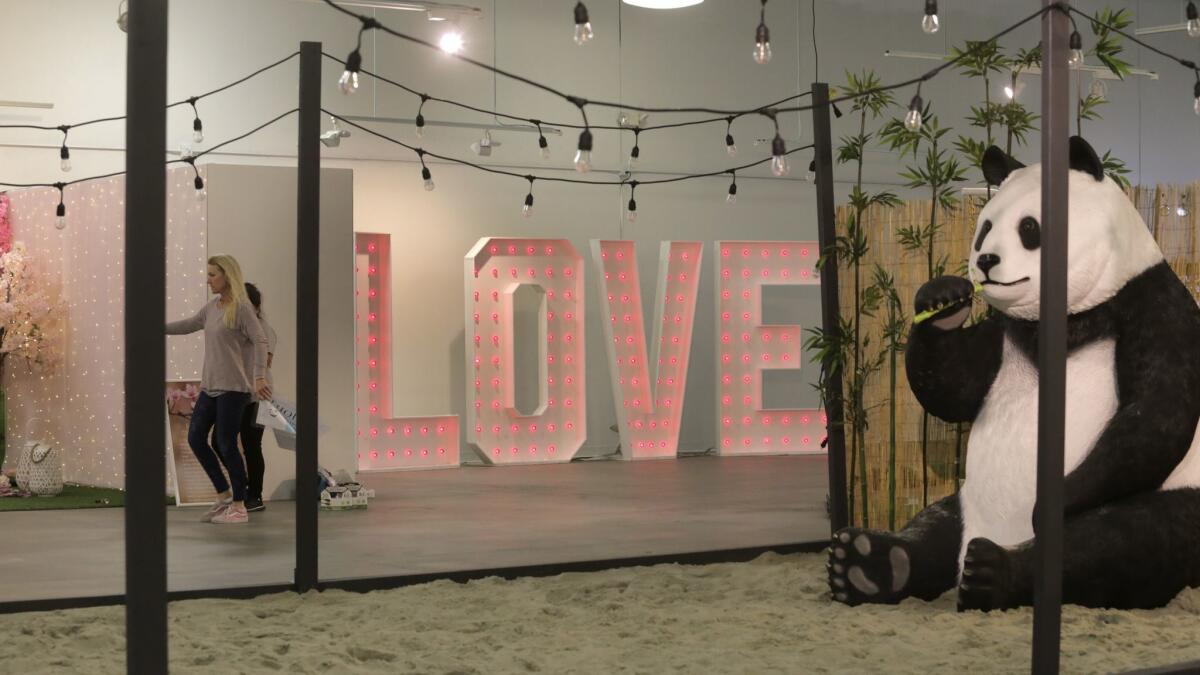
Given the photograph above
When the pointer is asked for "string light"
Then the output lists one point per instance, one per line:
(543, 144)
(731, 198)
(197, 125)
(811, 175)
(762, 38)
(426, 174)
(64, 153)
(912, 120)
(1196, 94)
(583, 155)
(198, 182)
(930, 23)
(730, 146)
(583, 25)
(636, 151)
(419, 124)
(631, 208)
(527, 209)
(60, 213)
(1193, 20)
(779, 161)
(1076, 58)
(348, 82)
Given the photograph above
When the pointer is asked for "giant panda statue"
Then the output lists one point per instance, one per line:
(1132, 453)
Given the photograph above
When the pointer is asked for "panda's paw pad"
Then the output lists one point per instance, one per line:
(867, 566)
(987, 577)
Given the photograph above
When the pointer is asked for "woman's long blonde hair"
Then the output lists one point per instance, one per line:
(237, 286)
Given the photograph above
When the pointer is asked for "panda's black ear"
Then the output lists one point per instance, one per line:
(1085, 159)
(997, 165)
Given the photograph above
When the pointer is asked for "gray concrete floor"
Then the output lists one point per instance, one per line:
(435, 521)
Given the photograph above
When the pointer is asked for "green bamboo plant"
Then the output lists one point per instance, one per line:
(894, 332)
(1108, 49)
(938, 173)
(850, 249)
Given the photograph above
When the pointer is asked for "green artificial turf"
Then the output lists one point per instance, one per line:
(72, 497)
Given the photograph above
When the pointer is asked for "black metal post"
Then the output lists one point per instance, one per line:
(1052, 343)
(308, 265)
(145, 340)
(826, 234)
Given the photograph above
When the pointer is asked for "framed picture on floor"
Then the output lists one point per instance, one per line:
(192, 486)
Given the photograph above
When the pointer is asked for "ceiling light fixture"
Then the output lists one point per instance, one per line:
(483, 146)
(662, 4)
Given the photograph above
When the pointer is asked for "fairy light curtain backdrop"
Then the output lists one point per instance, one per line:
(76, 402)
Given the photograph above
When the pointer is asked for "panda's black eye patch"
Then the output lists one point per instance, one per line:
(983, 233)
(1030, 233)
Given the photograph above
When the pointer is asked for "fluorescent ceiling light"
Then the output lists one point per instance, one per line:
(1097, 71)
(662, 4)
(435, 11)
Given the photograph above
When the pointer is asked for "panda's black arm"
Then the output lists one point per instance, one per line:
(1158, 384)
(950, 371)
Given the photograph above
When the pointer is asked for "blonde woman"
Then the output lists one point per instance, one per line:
(229, 324)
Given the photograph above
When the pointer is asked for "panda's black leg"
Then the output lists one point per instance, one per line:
(869, 566)
(1134, 554)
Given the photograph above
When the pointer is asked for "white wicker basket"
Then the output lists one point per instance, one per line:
(40, 469)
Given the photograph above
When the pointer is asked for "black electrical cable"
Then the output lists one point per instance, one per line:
(190, 159)
(455, 160)
(189, 100)
(1186, 63)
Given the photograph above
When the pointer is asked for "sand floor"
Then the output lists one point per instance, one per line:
(772, 615)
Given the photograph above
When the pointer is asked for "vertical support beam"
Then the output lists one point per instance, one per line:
(1052, 342)
(308, 267)
(145, 341)
(826, 234)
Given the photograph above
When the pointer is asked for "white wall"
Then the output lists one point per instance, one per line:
(252, 216)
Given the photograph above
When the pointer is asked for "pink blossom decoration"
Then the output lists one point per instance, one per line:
(5, 226)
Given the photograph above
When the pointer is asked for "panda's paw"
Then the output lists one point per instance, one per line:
(990, 578)
(868, 566)
(948, 297)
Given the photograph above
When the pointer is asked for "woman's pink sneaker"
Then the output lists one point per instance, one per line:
(217, 508)
(232, 514)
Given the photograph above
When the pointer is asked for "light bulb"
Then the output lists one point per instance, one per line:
(1008, 92)
(420, 126)
(631, 212)
(633, 156)
(1076, 44)
(197, 131)
(425, 174)
(60, 223)
(65, 165)
(731, 198)
(543, 147)
(1196, 93)
(779, 165)
(583, 156)
(201, 193)
(930, 23)
(762, 45)
(527, 209)
(730, 147)
(65, 155)
(1181, 211)
(912, 120)
(1193, 20)
(583, 25)
(60, 220)
(348, 83)
(811, 174)
(779, 162)
(451, 42)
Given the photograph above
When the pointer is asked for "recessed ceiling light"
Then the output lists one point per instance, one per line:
(662, 4)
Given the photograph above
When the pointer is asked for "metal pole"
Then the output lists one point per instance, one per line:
(308, 265)
(1052, 343)
(826, 234)
(145, 341)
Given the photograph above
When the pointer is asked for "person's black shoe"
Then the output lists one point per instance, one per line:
(255, 505)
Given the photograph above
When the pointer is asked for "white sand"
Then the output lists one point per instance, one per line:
(772, 615)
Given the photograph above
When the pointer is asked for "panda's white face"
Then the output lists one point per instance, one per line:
(1108, 243)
